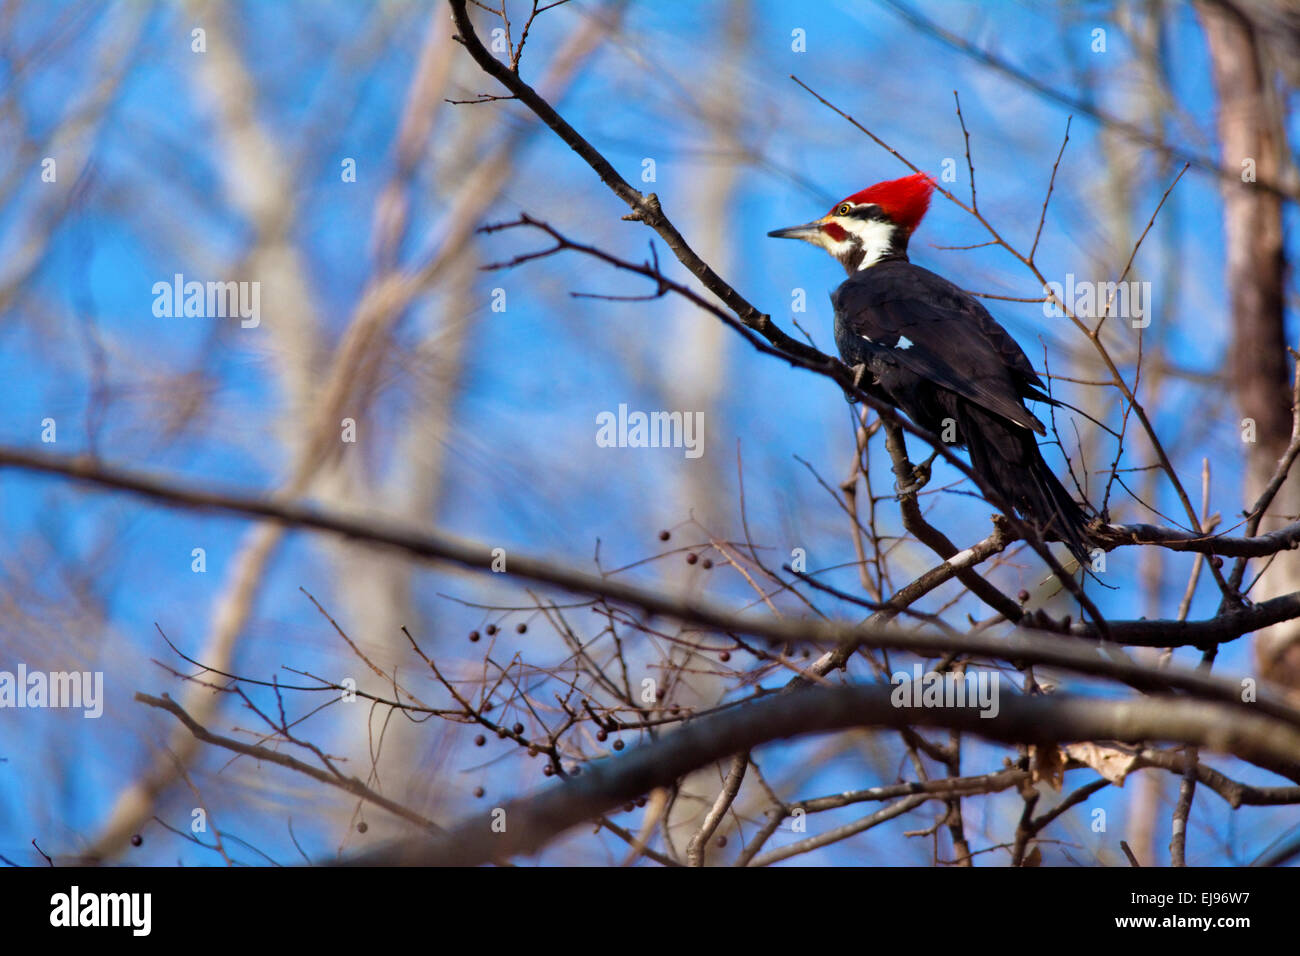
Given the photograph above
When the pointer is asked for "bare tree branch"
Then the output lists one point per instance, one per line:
(532, 822)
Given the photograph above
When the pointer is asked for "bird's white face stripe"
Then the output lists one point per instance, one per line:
(837, 248)
(875, 237)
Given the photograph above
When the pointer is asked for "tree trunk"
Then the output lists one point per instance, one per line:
(1251, 135)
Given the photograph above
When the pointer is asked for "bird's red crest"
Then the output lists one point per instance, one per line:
(903, 200)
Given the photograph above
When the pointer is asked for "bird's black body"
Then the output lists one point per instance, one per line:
(934, 352)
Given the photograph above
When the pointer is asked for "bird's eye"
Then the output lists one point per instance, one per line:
(843, 210)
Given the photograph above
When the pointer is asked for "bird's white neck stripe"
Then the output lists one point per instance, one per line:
(875, 237)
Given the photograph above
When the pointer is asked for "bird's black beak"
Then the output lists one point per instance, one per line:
(808, 232)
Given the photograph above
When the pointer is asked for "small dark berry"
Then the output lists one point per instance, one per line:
(602, 734)
(692, 558)
(628, 807)
(136, 839)
(722, 841)
(1216, 561)
(640, 801)
(474, 636)
(548, 771)
(724, 656)
(532, 751)
(518, 728)
(487, 706)
(618, 745)
(1023, 595)
(664, 535)
(480, 740)
(706, 564)
(521, 628)
(491, 629)
(502, 733)
(478, 791)
(362, 827)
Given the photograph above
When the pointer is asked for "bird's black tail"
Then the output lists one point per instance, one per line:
(1007, 457)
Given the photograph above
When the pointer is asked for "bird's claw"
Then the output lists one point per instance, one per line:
(858, 372)
(920, 478)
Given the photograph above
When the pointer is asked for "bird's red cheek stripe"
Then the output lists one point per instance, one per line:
(834, 231)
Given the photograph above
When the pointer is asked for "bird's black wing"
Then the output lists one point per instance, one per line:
(929, 326)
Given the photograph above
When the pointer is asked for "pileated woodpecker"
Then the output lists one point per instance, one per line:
(921, 344)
